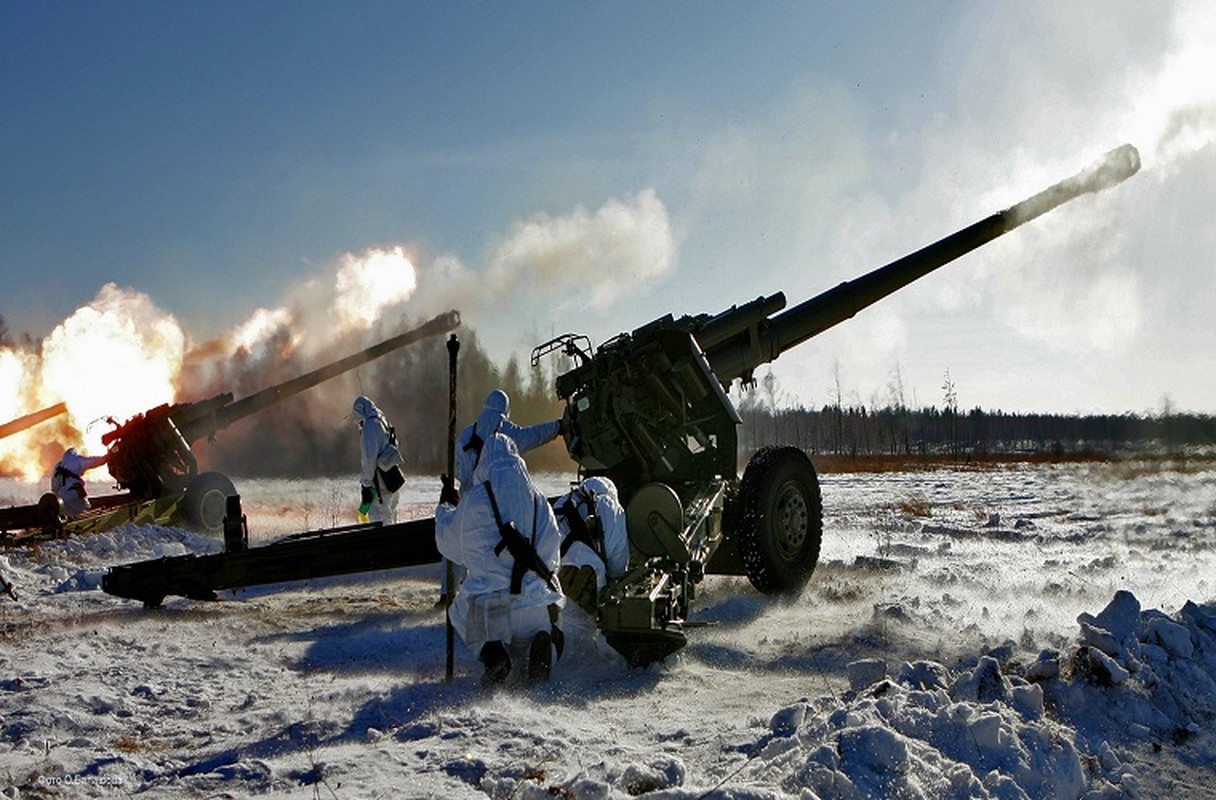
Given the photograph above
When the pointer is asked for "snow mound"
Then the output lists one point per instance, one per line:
(1001, 728)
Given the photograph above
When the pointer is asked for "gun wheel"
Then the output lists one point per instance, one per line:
(780, 520)
(205, 502)
(50, 509)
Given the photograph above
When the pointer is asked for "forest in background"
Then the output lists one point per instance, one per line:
(857, 431)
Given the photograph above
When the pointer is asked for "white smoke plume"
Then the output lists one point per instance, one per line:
(1174, 108)
(555, 267)
(1083, 282)
(1042, 90)
(368, 284)
(595, 258)
(362, 289)
(583, 259)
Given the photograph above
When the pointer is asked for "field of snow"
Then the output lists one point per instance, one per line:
(1023, 632)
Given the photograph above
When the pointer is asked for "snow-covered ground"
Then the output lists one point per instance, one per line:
(1037, 632)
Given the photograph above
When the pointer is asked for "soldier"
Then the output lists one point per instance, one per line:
(495, 418)
(595, 551)
(68, 483)
(502, 531)
(380, 476)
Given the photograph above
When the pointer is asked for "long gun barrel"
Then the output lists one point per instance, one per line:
(209, 419)
(32, 419)
(743, 352)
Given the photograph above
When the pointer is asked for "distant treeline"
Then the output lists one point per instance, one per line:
(861, 431)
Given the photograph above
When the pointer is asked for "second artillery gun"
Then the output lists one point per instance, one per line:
(649, 409)
(151, 461)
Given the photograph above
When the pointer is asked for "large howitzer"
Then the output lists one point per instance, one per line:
(150, 456)
(649, 409)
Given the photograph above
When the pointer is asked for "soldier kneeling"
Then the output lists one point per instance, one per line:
(503, 532)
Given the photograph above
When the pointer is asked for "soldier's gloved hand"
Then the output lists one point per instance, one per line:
(579, 584)
(448, 495)
(367, 496)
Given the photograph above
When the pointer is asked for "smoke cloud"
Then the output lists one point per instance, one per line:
(354, 294)
(121, 355)
(1082, 280)
(555, 267)
(1174, 112)
(368, 284)
(583, 259)
(594, 257)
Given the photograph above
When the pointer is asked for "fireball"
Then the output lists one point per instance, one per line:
(113, 358)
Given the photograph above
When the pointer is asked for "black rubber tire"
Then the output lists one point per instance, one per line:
(205, 503)
(50, 509)
(779, 520)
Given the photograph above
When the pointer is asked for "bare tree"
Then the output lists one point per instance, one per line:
(839, 396)
(899, 408)
(950, 397)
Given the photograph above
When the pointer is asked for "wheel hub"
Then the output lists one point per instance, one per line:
(790, 521)
(211, 509)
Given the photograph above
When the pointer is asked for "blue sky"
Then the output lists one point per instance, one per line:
(570, 166)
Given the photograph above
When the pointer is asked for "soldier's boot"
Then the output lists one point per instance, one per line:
(497, 663)
(540, 658)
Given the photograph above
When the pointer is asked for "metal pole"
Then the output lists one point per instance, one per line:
(449, 569)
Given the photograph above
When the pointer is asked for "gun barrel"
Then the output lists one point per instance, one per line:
(30, 420)
(197, 426)
(739, 356)
(738, 319)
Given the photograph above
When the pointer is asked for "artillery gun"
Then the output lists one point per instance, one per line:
(151, 460)
(649, 409)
